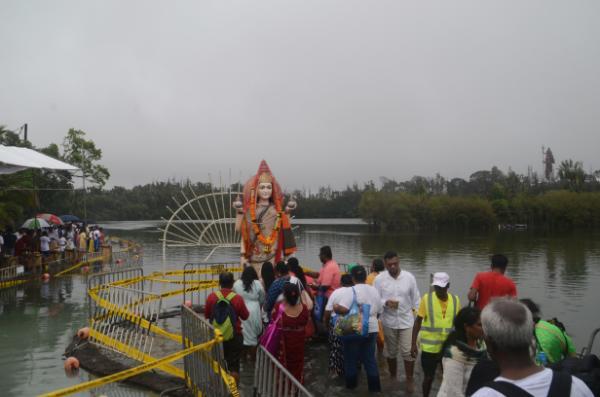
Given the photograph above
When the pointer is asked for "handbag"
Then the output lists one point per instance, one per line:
(271, 338)
(355, 323)
(319, 307)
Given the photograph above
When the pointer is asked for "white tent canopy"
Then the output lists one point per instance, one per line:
(14, 159)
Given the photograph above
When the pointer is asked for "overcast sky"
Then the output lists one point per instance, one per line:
(328, 92)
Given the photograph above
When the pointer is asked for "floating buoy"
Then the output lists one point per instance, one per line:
(45, 276)
(71, 364)
(188, 303)
(83, 333)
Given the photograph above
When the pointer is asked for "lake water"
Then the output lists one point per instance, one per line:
(560, 272)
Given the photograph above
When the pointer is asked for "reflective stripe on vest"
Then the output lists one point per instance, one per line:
(436, 328)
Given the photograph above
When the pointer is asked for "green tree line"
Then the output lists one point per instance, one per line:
(487, 198)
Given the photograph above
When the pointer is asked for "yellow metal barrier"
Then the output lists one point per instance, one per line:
(131, 352)
(131, 371)
(11, 283)
(79, 264)
(126, 310)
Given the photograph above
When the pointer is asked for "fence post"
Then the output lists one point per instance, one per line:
(107, 253)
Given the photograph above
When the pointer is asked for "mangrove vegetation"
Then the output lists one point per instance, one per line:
(568, 198)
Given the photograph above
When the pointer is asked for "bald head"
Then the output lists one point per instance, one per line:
(508, 324)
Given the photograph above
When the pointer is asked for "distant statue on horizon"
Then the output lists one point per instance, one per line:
(548, 163)
(263, 222)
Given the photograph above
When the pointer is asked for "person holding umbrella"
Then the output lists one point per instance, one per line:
(50, 218)
(35, 223)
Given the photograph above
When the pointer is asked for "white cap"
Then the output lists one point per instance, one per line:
(441, 279)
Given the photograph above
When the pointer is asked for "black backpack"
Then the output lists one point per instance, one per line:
(586, 368)
(560, 386)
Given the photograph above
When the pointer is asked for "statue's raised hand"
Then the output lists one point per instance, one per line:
(291, 205)
(238, 205)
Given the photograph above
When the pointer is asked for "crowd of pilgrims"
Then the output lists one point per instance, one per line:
(489, 347)
(50, 242)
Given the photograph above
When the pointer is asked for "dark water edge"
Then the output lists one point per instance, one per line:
(560, 271)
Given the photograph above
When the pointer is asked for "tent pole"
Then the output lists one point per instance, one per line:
(84, 199)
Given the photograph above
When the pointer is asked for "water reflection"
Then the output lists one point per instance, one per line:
(561, 272)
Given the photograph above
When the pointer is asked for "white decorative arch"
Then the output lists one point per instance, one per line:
(205, 220)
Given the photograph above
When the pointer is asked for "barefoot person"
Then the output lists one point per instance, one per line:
(400, 297)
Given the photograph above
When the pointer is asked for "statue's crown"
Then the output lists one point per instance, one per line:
(264, 173)
(265, 177)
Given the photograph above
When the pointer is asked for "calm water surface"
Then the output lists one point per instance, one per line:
(561, 272)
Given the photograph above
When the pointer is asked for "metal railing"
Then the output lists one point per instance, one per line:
(10, 272)
(55, 265)
(590, 345)
(120, 319)
(202, 369)
(271, 379)
(98, 279)
(127, 258)
(90, 256)
(344, 267)
(117, 390)
(191, 279)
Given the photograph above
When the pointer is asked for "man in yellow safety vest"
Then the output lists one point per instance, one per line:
(434, 322)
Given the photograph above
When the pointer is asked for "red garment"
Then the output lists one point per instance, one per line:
(238, 305)
(21, 246)
(291, 354)
(492, 284)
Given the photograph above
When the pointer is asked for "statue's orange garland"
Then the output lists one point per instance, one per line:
(267, 241)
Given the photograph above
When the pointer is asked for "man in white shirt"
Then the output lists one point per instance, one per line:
(45, 244)
(361, 350)
(1, 250)
(62, 244)
(508, 329)
(53, 233)
(400, 297)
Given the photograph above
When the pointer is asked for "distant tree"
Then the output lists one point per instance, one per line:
(388, 185)
(11, 138)
(571, 173)
(417, 185)
(496, 175)
(439, 184)
(481, 182)
(514, 183)
(15, 203)
(457, 187)
(84, 154)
